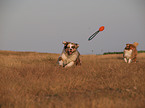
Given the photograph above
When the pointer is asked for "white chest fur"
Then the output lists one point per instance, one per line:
(64, 56)
(128, 53)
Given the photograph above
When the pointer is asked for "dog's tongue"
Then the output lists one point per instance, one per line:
(70, 52)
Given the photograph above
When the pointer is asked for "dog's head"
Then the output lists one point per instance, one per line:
(127, 47)
(70, 47)
(131, 46)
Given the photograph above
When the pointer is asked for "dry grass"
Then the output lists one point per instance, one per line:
(34, 80)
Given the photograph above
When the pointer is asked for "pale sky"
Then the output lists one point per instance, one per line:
(42, 25)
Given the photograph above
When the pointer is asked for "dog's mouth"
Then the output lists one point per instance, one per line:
(70, 52)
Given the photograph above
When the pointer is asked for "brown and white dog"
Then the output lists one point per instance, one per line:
(130, 52)
(70, 55)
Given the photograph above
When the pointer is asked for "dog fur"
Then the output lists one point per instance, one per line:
(70, 55)
(130, 52)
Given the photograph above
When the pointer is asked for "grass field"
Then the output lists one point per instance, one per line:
(34, 80)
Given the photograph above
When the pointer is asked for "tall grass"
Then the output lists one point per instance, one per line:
(34, 80)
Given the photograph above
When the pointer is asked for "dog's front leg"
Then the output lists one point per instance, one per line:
(60, 61)
(69, 64)
(125, 60)
(129, 61)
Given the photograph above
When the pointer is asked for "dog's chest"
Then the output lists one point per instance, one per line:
(64, 56)
(71, 57)
(128, 53)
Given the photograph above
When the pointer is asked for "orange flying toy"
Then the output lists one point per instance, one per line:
(93, 35)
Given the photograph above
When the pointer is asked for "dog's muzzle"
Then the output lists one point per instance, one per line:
(70, 51)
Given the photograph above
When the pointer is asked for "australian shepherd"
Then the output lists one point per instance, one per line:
(70, 55)
(130, 52)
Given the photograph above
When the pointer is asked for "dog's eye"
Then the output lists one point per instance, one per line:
(73, 47)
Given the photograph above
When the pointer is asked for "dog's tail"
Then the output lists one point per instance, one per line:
(135, 44)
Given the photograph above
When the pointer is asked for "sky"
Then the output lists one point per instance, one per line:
(42, 25)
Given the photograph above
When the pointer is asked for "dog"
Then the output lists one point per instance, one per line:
(70, 55)
(130, 52)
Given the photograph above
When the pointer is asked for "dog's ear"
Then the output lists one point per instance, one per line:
(127, 44)
(64, 42)
(77, 45)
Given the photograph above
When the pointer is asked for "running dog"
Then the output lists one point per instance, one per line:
(130, 52)
(70, 55)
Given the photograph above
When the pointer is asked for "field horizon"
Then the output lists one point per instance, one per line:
(34, 80)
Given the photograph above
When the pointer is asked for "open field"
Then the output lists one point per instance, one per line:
(34, 80)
